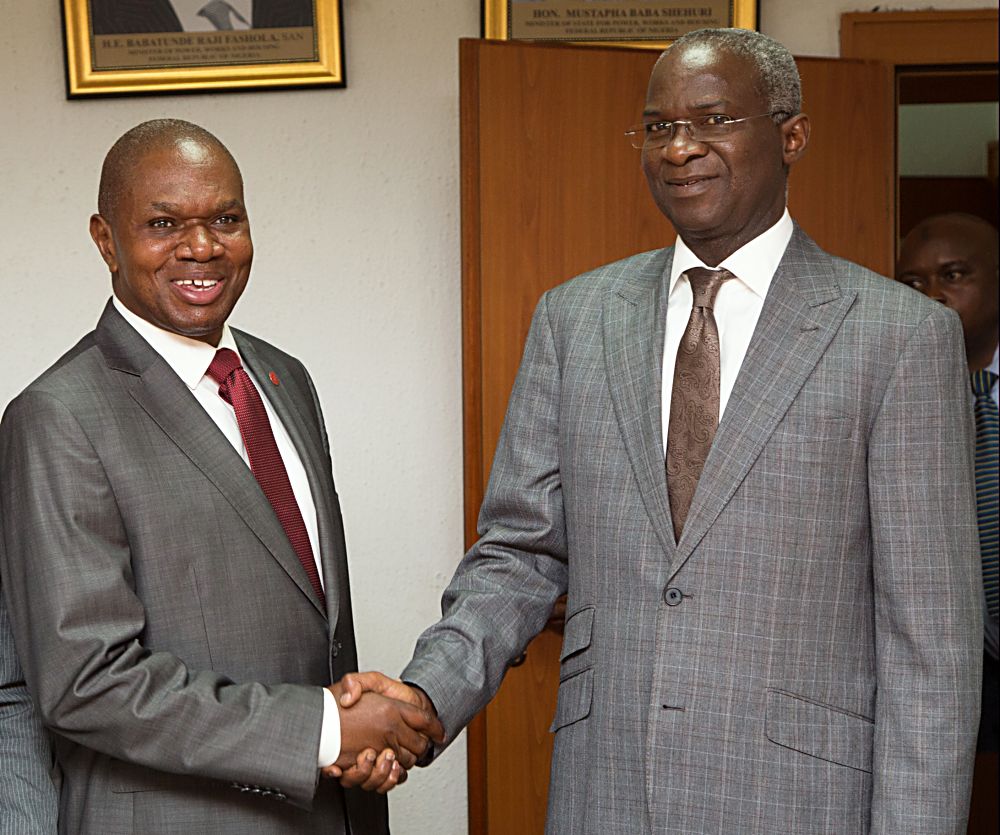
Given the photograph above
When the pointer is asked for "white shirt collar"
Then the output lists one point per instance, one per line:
(995, 364)
(189, 358)
(754, 263)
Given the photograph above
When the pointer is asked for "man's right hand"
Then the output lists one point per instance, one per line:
(416, 709)
(371, 718)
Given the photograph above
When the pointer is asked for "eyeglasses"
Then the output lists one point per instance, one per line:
(712, 128)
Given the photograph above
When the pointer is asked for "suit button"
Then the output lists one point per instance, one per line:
(335, 646)
(672, 596)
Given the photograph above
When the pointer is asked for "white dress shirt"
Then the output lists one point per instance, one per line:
(190, 358)
(737, 306)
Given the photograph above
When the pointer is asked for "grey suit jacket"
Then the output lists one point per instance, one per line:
(807, 658)
(29, 803)
(167, 631)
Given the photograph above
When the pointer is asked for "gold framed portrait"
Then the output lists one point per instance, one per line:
(119, 47)
(644, 24)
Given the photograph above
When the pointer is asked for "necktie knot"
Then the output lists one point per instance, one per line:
(705, 285)
(224, 363)
(983, 382)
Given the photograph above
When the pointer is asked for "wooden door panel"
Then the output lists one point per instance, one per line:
(842, 192)
(561, 189)
(550, 189)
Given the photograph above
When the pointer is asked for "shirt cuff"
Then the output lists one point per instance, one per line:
(329, 735)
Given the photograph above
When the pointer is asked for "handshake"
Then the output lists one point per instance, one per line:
(386, 726)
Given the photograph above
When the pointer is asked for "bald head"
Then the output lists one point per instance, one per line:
(953, 259)
(972, 231)
(158, 134)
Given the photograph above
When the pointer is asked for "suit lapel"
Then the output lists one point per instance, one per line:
(803, 310)
(286, 406)
(634, 324)
(154, 386)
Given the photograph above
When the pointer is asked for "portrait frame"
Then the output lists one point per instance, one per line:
(499, 21)
(116, 63)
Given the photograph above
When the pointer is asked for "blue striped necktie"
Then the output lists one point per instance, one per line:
(987, 475)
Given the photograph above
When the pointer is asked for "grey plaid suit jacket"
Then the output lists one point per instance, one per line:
(28, 799)
(166, 628)
(806, 659)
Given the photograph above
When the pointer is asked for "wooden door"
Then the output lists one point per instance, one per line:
(551, 188)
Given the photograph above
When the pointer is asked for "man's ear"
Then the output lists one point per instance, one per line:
(795, 137)
(100, 231)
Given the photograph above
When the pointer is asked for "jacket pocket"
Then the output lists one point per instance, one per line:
(575, 696)
(819, 730)
(577, 632)
(798, 428)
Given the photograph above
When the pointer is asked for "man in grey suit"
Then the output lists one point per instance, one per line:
(28, 799)
(172, 545)
(773, 620)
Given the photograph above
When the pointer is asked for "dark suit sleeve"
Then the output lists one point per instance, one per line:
(127, 17)
(282, 13)
(28, 798)
(79, 624)
(926, 574)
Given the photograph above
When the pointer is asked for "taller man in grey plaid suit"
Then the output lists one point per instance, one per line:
(804, 656)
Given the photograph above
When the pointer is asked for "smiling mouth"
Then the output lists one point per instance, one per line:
(199, 291)
(197, 283)
(686, 182)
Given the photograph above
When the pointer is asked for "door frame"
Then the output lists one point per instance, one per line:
(944, 36)
(940, 37)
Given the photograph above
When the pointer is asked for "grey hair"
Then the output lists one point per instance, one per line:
(135, 143)
(776, 70)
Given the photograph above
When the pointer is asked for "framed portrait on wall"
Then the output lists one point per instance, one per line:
(649, 24)
(116, 47)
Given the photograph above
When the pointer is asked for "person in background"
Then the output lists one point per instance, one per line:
(952, 258)
(29, 800)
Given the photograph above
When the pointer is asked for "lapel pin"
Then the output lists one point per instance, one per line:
(274, 378)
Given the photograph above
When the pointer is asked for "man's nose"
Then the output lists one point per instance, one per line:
(199, 244)
(682, 147)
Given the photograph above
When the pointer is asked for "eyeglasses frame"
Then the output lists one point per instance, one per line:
(639, 130)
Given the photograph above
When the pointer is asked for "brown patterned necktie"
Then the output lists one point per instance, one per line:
(694, 402)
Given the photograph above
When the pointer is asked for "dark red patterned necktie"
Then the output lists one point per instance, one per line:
(237, 389)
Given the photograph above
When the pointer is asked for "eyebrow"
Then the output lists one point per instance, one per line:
(654, 112)
(952, 264)
(173, 208)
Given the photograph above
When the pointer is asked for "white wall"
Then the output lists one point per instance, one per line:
(964, 129)
(812, 27)
(354, 203)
